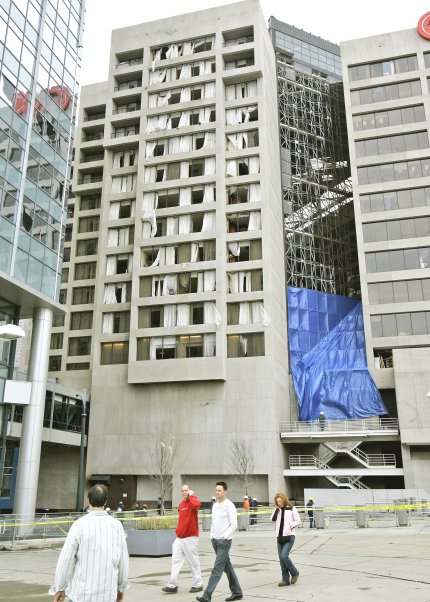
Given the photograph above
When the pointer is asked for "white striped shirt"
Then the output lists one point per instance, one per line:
(93, 564)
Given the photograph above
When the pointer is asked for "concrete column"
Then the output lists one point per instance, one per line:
(32, 423)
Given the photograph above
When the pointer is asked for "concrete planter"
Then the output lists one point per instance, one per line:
(157, 542)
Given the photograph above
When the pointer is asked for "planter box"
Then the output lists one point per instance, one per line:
(157, 542)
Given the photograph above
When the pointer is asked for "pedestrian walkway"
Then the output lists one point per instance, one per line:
(389, 564)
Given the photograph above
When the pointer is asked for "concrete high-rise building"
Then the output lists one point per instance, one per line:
(212, 170)
(386, 80)
(175, 265)
(39, 59)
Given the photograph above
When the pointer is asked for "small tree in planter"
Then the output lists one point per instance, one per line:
(242, 462)
(163, 449)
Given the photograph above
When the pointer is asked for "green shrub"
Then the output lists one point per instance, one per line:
(151, 523)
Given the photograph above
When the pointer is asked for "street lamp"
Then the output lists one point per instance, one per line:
(8, 332)
(81, 474)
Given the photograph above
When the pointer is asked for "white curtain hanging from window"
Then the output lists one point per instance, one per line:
(130, 264)
(151, 124)
(233, 141)
(209, 140)
(243, 340)
(254, 193)
(107, 327)
(114, 210)
(185, 95)
(211, 314)
(186, 144)
(209, 341)
(209, 90)
(230, 92)
(160, 256)
(244, 313)
(207, 68)
(184, 169)
(163, 99)
(233, 282)
(187, 48)
(170, 256)
(185, 224)
(156, 58)
(209, 222)
(162, 123)
(174, 145)
(231, 168)
(117, 160)
(109, 294)
(254, 221)
(185, 196)
(231, 117)
(248, 112)
(209, 281)
(200, 282)
(152, 101)
(169, 316)
(185, 71)
(256, 307)
(116, 185)
(110, 265)
(254, 164)
(210, 166)
(170, 284)
(150, 201)
(157, 281)
(183, 314)
(150, 175)
(184, 120)
(234, 248)
(123, 236)
(172, 51)
(154, 344)
(171, 226)
(112, 237)
(208, 193)
(204, 115)
(149, 149)
(158, 76)
(194, 252)
(148, 219)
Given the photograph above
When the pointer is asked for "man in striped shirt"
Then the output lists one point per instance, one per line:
(93, 564)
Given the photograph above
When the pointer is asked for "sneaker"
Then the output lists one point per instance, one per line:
(283, 583)
(294, 579)
(169, 590)
(199, 588)
(201, 599)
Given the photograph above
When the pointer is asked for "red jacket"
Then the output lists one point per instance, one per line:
(188, 520)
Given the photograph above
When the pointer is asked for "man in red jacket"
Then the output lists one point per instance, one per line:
(186, 542)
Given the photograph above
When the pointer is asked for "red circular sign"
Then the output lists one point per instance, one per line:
(424, 26)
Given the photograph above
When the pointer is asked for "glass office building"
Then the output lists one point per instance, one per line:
(39, 62)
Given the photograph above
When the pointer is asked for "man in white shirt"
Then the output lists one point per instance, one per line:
(223, 525)
(93, 564)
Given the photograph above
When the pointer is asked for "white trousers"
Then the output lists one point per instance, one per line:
(181, 549)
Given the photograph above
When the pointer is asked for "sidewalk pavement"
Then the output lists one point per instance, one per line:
(389, 564)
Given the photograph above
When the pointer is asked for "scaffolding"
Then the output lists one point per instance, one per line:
(320, 243)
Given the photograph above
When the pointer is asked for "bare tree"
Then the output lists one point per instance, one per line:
(163, 449)
(242, 461)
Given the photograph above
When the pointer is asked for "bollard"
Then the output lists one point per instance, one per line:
(360, 519)
(402, 518)
(319, 519)
(242, 522)
(206, 523)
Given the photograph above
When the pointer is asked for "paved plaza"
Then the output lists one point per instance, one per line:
(388, 564)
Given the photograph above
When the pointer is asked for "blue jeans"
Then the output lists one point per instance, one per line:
(222, 565)
(287, 566)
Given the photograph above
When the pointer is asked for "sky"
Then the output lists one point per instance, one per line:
(333, 20)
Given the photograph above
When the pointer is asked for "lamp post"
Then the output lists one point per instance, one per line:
(8, 332)
(81, 473)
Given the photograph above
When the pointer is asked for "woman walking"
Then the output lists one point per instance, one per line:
(287, 518)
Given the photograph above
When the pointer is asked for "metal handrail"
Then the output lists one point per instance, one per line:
(365, 424)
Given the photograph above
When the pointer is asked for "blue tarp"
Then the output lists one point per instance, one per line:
(328, 357)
